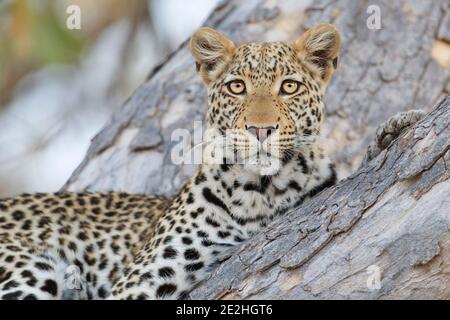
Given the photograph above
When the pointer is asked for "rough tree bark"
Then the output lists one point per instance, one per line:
(399, 67)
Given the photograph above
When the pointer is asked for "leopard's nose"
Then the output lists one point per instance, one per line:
(261, 132)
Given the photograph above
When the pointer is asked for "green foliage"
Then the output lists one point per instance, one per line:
(53, 42)
(33, 34)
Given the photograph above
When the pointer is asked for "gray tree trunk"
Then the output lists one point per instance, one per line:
(394, 217)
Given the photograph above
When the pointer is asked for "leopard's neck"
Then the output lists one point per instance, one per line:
(249, 201)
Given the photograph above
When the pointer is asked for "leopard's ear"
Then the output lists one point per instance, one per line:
(319, 46)
(212, 52)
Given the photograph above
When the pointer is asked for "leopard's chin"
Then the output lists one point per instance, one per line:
(263, 166)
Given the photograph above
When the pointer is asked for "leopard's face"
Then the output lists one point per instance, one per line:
(265, 99)
(267, 103)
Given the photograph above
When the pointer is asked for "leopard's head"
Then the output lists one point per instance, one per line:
(266, 99)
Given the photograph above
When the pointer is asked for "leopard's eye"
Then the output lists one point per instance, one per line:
(289, 87)
(236, 87)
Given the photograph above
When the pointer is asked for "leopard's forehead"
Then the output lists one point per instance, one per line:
(264, 61)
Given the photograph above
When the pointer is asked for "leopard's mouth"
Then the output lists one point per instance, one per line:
(238, 147)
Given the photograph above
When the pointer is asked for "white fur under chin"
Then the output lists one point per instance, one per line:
(263, 165)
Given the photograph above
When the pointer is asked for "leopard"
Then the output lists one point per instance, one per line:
(266, 107)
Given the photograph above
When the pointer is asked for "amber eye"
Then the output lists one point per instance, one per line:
(236, 87)
(289, 87)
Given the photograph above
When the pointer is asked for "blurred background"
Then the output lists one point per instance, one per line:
(59, 86)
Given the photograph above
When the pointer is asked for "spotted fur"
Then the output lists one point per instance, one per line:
(88, 238)
(122, 246)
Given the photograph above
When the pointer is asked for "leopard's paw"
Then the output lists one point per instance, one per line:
(390, 130)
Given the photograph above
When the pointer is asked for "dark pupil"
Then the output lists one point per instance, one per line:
(237, 86)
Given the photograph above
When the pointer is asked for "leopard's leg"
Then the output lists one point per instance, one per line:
(30, 274)
(389, 131)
